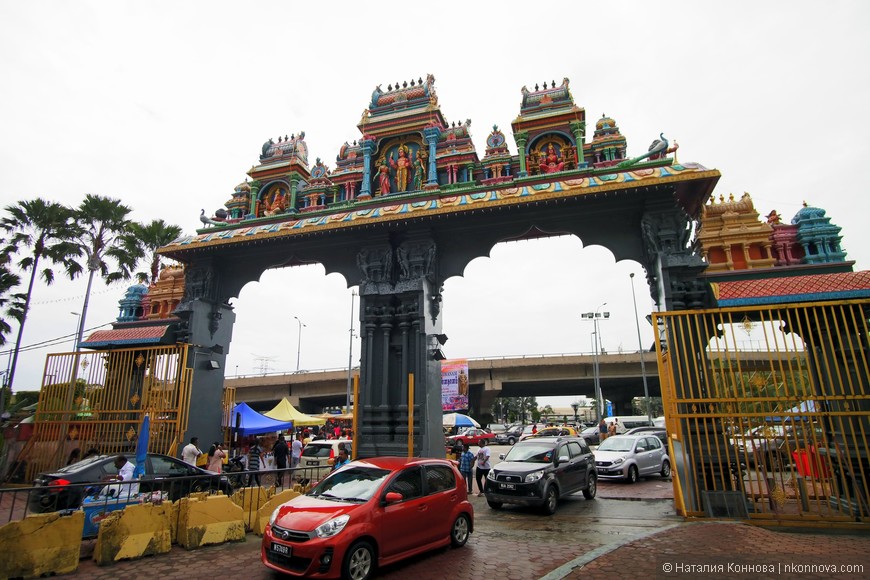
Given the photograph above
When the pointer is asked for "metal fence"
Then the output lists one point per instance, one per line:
(781, 434)
(99, 399)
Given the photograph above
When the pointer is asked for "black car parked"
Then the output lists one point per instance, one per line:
(538, 471)
(60, 489)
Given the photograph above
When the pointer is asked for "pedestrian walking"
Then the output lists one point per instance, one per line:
(296, 451)
(255, 459)
(281, 451)
(466, 465)
(191, 452)
(602, 430)
(483, 465)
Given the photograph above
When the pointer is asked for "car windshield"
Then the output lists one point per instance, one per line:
(590, 430)
(351, 484)
(617, 444)
(530, 453)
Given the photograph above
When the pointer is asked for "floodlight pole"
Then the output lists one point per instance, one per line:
(641, 352)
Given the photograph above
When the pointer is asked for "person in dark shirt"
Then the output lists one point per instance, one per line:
(280, 451)
(255, 458)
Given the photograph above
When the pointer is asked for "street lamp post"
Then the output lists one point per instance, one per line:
(350, 351)
(576, 406)
(75, 336)
(596, 345)
(299, 341)
(640, 350)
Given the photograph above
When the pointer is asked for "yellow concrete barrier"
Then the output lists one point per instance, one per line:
(138, 530)
(214, 519)
(38, 545)
(259, 523)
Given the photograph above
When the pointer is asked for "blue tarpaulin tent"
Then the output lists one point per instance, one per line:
(247, 421)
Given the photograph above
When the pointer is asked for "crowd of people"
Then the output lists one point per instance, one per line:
(268, 453)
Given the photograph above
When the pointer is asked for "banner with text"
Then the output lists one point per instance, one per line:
(454, 385)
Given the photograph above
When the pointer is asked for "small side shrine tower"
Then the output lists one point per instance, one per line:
(732, 237)
(817, 236)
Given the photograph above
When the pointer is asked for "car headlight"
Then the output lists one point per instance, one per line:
(491, 474)
(535, 476)
(332, 527)
(274, 516)
(618, 460)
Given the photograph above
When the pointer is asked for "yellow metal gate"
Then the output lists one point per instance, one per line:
(768, 411)
(98, 400)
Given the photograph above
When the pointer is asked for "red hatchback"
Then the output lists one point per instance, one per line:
(369, 513)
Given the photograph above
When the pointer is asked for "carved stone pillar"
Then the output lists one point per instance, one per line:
(207, 325)
(672, 265)
(368, 147)
(522, 138)
(400, 313)
(432, 134)
(578, 128)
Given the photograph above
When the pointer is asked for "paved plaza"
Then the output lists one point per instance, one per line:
(628, 529)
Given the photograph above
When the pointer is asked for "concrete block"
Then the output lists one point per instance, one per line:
(41, 545)
(212, 520)
(138, 530)
(259, 524)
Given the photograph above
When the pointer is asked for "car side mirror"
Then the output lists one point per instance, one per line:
(393, 497)
(563, 459)
(501, 456)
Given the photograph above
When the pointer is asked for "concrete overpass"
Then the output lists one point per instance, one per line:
(489, 378)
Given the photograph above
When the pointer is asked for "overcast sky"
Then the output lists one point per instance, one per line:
(166, 105)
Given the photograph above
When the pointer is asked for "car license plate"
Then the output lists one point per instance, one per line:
(312, 463)
(281, 549)
(507, 486)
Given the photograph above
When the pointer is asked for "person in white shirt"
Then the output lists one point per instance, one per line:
(125, 473)
(483, 465)
(191, 451)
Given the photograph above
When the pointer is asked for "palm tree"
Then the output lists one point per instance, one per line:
(45, 229)
(11, 304)
(150, 237)
(104, 234)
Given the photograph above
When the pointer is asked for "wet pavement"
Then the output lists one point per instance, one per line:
(597, 538)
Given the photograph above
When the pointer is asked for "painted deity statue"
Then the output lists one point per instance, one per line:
(384, 179)
(401, 166)
(419, 171)
(551, 161)
(277, 205)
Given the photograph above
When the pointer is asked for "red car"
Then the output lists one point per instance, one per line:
(369, 513)
(471, 436)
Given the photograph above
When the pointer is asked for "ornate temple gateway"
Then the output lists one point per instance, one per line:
(408, 204)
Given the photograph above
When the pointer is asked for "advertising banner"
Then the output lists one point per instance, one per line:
(454, 385)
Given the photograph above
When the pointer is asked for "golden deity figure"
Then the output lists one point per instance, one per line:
(401, 166)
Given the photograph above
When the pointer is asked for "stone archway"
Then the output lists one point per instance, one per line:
(400, 247)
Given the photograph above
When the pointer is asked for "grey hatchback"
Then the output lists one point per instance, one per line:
(538, 471)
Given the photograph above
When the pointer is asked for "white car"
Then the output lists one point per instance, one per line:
(632, 456)
(319, 456)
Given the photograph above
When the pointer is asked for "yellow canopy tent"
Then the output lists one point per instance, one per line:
(284, 411)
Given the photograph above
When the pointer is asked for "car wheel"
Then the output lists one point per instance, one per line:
(551, 500)
(496, 505)
(666, 469)
(198, 486)
(460, 531)
(591, 487)
(632, 474)
(511, 440)
(359, 563)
